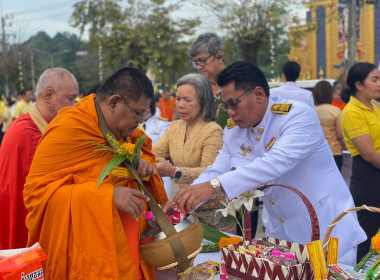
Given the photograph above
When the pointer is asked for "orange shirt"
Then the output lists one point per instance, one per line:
(77, 224)
(339, 104)
(167, 108)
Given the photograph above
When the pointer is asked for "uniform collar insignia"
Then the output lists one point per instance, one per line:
(281, 108)
(270, 143)
(230, 124)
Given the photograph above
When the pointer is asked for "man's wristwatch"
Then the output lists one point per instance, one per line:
(177, 173)
(215, 183)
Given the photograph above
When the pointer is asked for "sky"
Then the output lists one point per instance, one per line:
(24, 18)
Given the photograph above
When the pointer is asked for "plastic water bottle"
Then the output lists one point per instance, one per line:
(289, 259)
(276, 257)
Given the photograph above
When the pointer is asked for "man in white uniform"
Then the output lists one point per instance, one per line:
(271, 140)
(290, 91)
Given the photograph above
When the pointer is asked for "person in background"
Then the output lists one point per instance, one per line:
(192, 143)
(167, 105)
(336, 99)
(56, 89)
(6, 117)
(25, 104)
(276, 141)
(290, 91)
(155, 127)
(329, 116)
(207, 57)
(361, 132)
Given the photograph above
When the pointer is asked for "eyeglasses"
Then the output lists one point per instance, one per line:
(139, 116)
(201, 61)
(233, 104)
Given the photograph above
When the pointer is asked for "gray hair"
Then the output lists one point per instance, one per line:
(52, 78)
(204, 94)
(206, 43)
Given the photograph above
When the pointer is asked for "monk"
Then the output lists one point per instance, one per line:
(56, 88)
(91, 232)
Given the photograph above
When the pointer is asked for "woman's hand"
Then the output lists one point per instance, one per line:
(164, 168)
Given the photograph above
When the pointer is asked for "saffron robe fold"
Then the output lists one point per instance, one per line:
(76, 223)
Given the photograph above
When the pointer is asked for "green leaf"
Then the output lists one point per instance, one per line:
(107, 169)
(136, 152)
(107, 148)
(212, 234)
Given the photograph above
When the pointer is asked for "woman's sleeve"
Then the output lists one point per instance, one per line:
(211, 145)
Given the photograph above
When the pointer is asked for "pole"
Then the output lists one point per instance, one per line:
(5, 48)
(351, 34)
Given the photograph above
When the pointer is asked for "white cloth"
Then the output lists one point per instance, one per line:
(155, 128)
(290, 91)
(301, 158)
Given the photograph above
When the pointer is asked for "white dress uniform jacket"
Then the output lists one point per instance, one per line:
(289, 149)
(290, 91)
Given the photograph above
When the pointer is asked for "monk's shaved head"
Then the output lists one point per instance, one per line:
(128, 82)
(52, 78)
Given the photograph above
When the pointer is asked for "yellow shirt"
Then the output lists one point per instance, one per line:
(358, 120)
(22, 107)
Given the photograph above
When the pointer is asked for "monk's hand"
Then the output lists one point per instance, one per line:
(164, 168)
(167, 206)
(190, 196)
(129, 200)
(145, 169)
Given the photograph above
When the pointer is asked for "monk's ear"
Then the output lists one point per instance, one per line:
(114, 101)
(48, 94)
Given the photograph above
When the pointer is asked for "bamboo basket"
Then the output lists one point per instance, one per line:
(339, 217)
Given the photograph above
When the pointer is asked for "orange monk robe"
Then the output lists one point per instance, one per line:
(76, 223)
(167, 107)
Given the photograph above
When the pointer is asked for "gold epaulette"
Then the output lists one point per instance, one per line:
(281, 108)
(230, 123)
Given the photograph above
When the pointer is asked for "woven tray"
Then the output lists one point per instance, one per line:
(243, 266)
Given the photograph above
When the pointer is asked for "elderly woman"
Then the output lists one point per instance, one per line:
(361, 131)
(192, 143)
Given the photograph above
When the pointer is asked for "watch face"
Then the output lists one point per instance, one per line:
(215, 182)
(178, 174)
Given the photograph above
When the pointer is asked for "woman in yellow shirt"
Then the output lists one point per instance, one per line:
(361, 131)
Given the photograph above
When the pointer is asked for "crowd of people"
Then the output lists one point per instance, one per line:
(222, 132)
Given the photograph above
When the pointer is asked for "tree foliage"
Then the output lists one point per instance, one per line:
(139, 33)
(250, 21)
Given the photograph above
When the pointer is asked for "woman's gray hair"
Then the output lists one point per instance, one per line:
(204, 94)
(206, 43)
(52, 78)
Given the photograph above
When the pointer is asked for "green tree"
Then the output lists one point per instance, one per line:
(249, 21)
(139, 33)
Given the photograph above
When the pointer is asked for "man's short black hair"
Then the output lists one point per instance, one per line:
(291, 70)
(245, 75)
(129, 82)
(22, 92)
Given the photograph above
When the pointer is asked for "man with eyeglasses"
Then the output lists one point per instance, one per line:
(207, 57)
(274, 141)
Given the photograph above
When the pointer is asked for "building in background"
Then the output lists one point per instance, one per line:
(322, 52)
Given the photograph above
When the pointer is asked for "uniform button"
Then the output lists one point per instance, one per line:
(282, 220)
(261, 129)
(272, 201)
(257, 138)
